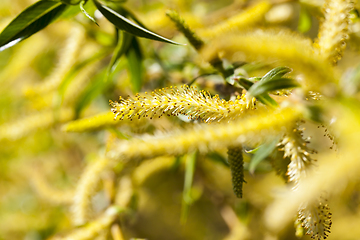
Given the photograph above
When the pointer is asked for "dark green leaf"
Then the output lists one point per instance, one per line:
(134, 58)
(82, 3)
(30, 21)
(261, 153)
(277, 72)
(245, 83)
(123, 46)
(275, 84)
(125, 24)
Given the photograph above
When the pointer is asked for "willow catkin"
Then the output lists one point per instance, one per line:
(236, 162)
(334, 29)
(244, 20)
(183, 100)
(256, 127)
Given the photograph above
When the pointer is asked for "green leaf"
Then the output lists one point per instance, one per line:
(263, 87)
(122, 46)
(134, 58)
(189, 177)
(261, 153)
(277, 72)
(245, 83)
(31, 20)
(126, 25)
(82, 3)
(267, 100)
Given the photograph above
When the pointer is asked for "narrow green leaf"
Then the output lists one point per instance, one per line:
(275, 84)
(135, 66)
(189, 177)
(122, 46)
(261, 153)
(82, 3)
(125, 24)
(31, 20)
(277, 72)
(267, 100)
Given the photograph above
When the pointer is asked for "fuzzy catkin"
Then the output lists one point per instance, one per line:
(94, 228)
(194, 40)
(37, 121)
(243, 20)
(85, 189)
(334, 29)
(236, 162)
(183, 100)
(209, 137)
(66, 60)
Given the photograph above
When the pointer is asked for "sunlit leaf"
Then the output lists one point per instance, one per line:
(31, 20)
(125, 24)
(261, 153)
(277, 72)
(122, 46)
(276, 84)
(82, 3)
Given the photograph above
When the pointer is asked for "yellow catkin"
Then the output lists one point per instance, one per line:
(98, 121)
(85, 189)
(67, 59)
(209, 137)
(150, 167)
(32, 123)
(90, 123)
(272, 45)
(47, 192)
(242, 21)
(334, 29)
(94, 228)
(183, 100)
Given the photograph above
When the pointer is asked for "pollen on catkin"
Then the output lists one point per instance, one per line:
(295, 147)
(316, 219)
(197, 105)
(235, 159)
